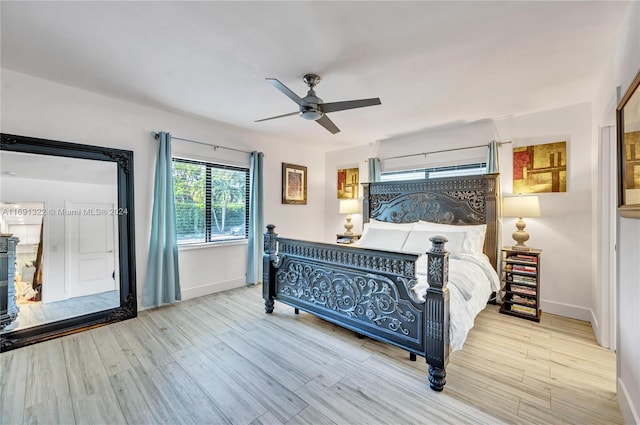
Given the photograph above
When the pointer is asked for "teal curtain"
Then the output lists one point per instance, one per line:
(492, 158)
(256, 219)
(162, 284)
(374, 169)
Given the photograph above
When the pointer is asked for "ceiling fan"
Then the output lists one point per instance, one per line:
(313, 108)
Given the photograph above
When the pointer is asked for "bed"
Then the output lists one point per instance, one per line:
(415, 279)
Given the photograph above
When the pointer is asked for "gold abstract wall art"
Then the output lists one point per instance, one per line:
(540, 168)
(348, 183)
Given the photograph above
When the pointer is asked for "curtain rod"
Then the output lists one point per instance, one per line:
(441, 151)
(215, 147)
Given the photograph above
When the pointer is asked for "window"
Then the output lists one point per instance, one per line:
(432, 173)
(212, 201)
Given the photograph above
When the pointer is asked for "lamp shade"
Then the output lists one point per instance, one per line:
(521, 206)
(349, 206)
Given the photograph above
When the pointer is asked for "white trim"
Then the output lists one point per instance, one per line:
(604, 326)
(212, 288)
(629, 413)
(566, 310)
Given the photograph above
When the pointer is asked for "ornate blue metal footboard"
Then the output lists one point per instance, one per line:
(365, 290)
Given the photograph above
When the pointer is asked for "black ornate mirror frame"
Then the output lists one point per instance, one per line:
(128, 302)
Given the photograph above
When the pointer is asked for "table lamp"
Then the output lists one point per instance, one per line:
(348, 207)
(521, 206)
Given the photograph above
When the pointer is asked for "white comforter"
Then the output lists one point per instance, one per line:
(471, 282)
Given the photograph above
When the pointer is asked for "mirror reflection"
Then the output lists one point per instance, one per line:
(632, 149)
(64, 212)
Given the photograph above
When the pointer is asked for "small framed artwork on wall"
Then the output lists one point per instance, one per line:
(294, 184)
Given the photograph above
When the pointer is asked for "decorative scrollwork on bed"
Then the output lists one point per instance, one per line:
(349, 257)
(447, 201)
(474, 198)
(367, 298)
(450, 207)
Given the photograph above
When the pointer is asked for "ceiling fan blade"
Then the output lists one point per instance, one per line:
(328, 124)
(278, 116)
(349, 104)
(286, 90)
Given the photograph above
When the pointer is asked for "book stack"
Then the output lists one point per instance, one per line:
(521, 268)
(524, 300)
(524, 280)
(523, 309)
(523, 290)
(525, 257)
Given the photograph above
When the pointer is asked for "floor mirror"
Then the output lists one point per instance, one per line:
(67, 210)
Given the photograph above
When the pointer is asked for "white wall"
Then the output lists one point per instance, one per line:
(621, 72)
(54, 194)
(563, 232)
(40, 108)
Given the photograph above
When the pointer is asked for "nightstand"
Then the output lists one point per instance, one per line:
(520, 278)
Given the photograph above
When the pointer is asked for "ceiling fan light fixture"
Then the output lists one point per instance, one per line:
(311, 115)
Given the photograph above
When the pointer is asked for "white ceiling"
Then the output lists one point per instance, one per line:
(15, 166)
(431, 63)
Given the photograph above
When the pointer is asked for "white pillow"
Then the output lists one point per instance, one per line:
(377, 224)
(418, 241)
(386, 239)
(474, 234)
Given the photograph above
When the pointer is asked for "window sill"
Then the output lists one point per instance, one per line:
(205, 245)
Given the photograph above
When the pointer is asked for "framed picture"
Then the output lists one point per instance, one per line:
(628, 128)
(348, 183)
(540, 168)
(294, 184)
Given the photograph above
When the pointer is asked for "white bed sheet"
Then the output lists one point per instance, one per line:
(471, 282)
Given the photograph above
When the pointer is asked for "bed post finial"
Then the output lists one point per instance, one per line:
(437, 313)
(268, 270)
(270, 239)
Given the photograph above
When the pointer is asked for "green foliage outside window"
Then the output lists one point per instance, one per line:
(202, 188)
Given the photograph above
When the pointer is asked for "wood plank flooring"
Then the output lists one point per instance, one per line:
(219, 359)
(34, 313)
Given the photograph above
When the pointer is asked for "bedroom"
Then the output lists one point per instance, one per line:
(80, 115)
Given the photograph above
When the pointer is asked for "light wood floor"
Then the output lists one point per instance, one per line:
(34, 313)
(220, 359)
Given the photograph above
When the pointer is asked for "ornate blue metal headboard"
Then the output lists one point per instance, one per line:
(460, 201)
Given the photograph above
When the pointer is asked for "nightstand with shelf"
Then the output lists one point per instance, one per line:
(520, 277)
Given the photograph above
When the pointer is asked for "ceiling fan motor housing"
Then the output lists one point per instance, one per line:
(310, 110)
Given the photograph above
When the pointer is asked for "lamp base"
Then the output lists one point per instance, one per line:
(348, 226)
(520, 236)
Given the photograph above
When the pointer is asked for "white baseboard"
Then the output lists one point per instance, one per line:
(202, 290)
(566, 310)
(212, 288)
(629, 411)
